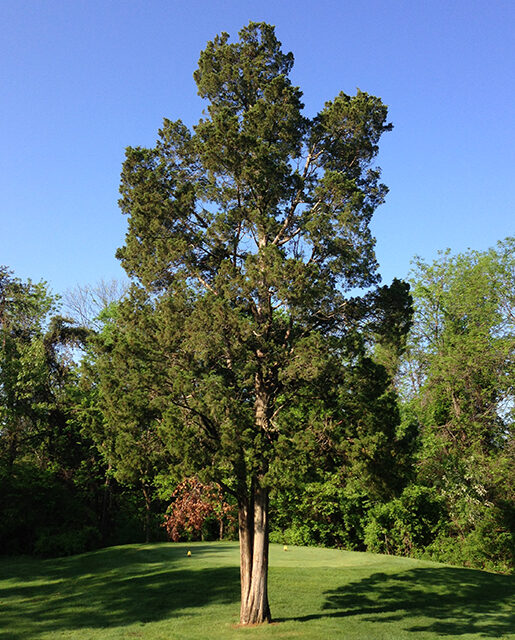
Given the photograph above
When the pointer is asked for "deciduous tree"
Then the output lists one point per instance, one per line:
(459, 381)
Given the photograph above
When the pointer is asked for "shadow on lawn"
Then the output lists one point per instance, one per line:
(81, 592)
(449, 601)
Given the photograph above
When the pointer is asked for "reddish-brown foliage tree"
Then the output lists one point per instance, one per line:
(192, 504)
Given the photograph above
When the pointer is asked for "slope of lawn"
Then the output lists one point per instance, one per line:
(157, 592)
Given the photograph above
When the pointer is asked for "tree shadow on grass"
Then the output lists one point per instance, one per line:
(108, 593)
(447, 601)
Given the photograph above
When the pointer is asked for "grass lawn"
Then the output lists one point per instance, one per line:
(157, 592)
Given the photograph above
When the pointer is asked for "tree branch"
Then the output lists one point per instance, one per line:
(206, 284)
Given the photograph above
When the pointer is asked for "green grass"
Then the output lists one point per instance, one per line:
(156, 592)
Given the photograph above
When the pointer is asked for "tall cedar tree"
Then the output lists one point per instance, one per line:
(246, 236)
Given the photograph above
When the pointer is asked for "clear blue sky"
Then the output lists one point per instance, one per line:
(82, 79)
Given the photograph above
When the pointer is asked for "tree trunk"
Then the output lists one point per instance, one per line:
(148, 505)
(253, 528)
(107, 496)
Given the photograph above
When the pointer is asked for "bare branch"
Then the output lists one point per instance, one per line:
(278, 240)
(206, 284)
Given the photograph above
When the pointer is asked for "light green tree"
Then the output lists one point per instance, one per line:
(459, 381)
(24, 372)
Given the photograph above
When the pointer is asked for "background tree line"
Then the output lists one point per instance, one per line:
(423, 465)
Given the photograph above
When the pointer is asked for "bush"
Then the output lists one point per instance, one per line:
(50, 544)
(36, 506)
(405, 525)
(489, 545)
(319, 514)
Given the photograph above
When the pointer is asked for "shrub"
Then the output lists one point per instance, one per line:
(36, 504)
(489, 545)
(320, 513)
(50, 544)
(406, 524)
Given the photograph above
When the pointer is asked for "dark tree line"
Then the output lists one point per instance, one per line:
(441, 483)
(425, 466)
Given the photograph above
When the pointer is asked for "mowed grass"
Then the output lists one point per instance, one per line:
(157, 592)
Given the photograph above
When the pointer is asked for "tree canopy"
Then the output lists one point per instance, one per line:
(459, 384)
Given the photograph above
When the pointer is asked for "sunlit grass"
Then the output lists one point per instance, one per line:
(157, 592)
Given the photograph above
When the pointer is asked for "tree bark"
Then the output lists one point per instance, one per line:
(253, 525)
(107, 496)
(148, 505)
(253, 528)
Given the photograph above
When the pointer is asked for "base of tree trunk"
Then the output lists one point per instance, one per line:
(254, 624)
(253, 526)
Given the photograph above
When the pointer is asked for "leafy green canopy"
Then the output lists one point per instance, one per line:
(460, 358)
(29, 371)
(459, 382)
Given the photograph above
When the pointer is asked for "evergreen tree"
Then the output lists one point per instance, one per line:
(246, 238)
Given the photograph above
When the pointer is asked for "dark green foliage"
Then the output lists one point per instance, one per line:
(245, 237)
(43, 514)
(324, 513)
(489, 544)
(407, 524)
(119, 416)
(40, 444)
(363, 458)
(55, 498)
(67, 541)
